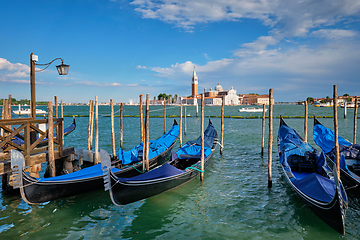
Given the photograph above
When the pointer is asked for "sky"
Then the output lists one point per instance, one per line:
(118, 49)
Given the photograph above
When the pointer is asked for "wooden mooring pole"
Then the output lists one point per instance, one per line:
(181, 119)
(91, 124)
(56, 107)
(263, 132)
(164, 116)
(336, 133)
(96, 161)
(112, 127)
(306, 121)
(184, 120)
(355, 120)
(202, 138)
(51, 140)
(345, 109)
(121, 125)
(62, 108)
(147, 132)
(270, 137)
(141, 120)
(222, 124)
(9, 106)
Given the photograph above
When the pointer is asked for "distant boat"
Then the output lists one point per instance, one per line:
(27, 111)
(251, 109)
(327, 104)
(348, 105)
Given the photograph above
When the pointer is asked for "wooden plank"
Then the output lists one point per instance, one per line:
(5, 162)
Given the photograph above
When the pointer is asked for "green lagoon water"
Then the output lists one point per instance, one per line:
(233, 201)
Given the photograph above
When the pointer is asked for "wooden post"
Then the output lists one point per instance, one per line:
(51, 140)
(355, 120)
(96, 161)
(9, 106)
(270, 137)
(336, 133)
(222, 124)
(197, 109)
(91, 124)
(32, 87)
(3, 117)
(141, 120)
(306, 121)
(263, 131)
(164, 116)
(184, 120)
(112, 127)
(181, 117)
(121, 125)
(202, 138)
(345, 108)
(56, 107)
(147, 132)
(62, 108)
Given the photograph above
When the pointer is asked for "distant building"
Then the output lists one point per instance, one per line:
(253, 99)
(212, 97)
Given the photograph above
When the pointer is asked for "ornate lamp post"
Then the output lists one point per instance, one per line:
(63, 69)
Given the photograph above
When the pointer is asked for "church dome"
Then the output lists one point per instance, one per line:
(219, 87)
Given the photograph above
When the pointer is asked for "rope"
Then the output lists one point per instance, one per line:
(137, 169)
(195, 169)
(220, 144)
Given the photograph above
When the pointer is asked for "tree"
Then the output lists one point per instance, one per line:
(310, 100)
(162, 96)
(346, 95)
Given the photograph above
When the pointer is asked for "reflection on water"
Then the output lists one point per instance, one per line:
(233, 202)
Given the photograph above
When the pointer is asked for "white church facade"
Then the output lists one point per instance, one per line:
(212, 97)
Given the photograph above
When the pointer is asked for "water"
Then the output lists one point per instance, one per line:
(233, 202)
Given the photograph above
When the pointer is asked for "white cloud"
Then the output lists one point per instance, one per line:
(141, 67)
(296, 71)
(261, 43)
(335, 34)
(5, 65)
(286, 18)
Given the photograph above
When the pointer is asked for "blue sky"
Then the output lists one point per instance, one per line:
(118, 49)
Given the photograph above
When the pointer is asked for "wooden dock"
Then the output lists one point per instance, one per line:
(30, 137)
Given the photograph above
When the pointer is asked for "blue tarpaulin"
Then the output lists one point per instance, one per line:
(94, 171)
(156, 147)
(325, 138)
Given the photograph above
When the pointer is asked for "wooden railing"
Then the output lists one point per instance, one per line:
(34, 140)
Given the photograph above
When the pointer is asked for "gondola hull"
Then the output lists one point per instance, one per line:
(36, 192)
(311, 179)
(349, 179)
(332, 213)
(182, 168)
(125, 193)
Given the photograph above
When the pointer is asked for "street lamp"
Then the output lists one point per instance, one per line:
(62, 69)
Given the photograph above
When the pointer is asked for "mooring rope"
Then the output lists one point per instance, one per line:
(194, 168)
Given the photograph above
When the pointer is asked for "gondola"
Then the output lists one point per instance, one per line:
(311, 179)
(349, 157)
(38, 190)
(183, 167)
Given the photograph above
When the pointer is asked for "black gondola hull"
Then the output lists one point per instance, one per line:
(351, 184)
(125, 193)
(34, 192)
(332, 213)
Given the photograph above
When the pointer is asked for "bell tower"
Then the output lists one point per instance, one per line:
(194, 85)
